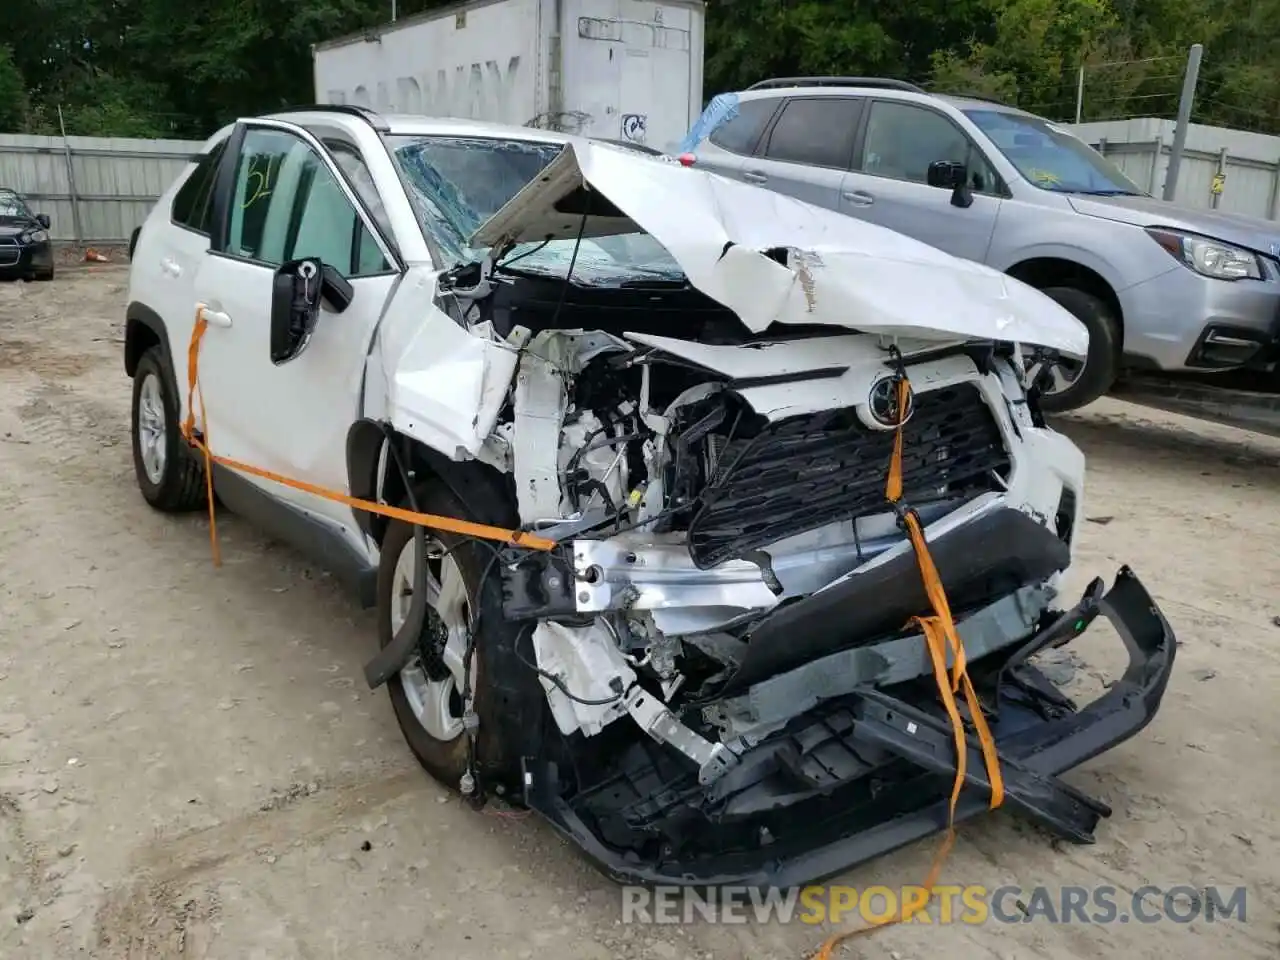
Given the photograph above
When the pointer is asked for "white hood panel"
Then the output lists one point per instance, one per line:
(840, 271)
(841, 370)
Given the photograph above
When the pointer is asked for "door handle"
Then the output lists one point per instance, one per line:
(171, 267)
(859, 198)
(754, 176)
(215, 318)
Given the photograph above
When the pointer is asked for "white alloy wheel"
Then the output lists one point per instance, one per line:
(433, 679)
(152, 435)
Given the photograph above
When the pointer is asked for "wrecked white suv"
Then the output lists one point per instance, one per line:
(685, 633)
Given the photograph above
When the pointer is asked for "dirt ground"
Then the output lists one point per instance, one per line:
(190, 764)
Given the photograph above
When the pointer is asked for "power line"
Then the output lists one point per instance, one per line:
(1113, 63)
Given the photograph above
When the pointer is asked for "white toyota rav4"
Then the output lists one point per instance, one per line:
(694, 650)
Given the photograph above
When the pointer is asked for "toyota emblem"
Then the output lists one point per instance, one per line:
(882, 403)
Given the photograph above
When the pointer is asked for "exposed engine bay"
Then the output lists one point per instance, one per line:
(688, 516)
(722, 633)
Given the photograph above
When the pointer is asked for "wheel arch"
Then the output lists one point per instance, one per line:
(143, 329)
(1044, 272)
(371, 470)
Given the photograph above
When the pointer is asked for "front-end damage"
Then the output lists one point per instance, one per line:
(721, 633)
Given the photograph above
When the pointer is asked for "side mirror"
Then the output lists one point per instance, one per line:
(43, 220)
(297, 292)
(947, 174)
(954, 176)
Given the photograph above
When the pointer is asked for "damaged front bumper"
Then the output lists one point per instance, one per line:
(863, 774)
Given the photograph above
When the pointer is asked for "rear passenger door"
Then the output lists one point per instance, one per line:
(168, 256)
(888, 183)
(807, 150)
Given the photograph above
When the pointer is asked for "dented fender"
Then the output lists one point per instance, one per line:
(444, 386)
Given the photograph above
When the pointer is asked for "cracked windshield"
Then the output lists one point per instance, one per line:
(459, 182)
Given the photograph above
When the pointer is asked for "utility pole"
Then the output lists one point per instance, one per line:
(71, 178)
(1080, 95)
(393, 11)
(1184, 118)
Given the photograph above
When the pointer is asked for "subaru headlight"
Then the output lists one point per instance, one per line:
(1210, 258)
(35, 236)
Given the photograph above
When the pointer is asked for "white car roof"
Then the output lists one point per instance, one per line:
(407, 124)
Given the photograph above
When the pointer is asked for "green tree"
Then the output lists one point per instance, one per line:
(13, 93)
(1033, 53)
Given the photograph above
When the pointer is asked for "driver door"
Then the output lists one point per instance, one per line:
(282, 197)
(888, 183)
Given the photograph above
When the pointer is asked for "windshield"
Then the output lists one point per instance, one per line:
(457, 183)
(1051, 158)
(11, 205)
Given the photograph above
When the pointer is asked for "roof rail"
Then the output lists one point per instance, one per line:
(884, 83)
(372, 117)
(973, 96)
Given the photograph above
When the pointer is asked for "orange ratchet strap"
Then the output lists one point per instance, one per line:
(450, 524)
(940, 633)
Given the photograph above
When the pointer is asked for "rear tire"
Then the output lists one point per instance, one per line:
(1101, 366)
(169, 475)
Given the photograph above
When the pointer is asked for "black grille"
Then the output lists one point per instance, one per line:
(805, 472)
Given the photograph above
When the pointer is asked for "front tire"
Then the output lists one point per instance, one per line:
(169, 475)
(427, 694)
(1073, 385)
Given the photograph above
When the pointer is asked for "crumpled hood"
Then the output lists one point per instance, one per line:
(834, 270)
(1254, 233)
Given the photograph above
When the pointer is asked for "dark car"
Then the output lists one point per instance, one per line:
(25, 249)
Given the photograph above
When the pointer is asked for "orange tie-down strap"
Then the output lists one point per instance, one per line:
(463, 528)
(940, 634)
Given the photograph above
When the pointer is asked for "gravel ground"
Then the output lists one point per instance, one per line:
(191, 766)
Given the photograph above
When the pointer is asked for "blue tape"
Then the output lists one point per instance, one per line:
(722, 108)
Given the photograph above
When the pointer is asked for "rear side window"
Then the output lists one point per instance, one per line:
(742, 133)
(191, 206)
(817, 132)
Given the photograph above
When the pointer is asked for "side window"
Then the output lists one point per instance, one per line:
(817, 132)
(902, 139)
(288, 205)
(191, 205)
(329, 228)
(353, 167)
(267, 176)
(741, 134)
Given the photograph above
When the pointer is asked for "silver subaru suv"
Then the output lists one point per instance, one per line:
(1162, 288)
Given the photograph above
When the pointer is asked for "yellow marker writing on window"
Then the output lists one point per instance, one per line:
(258, 183)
